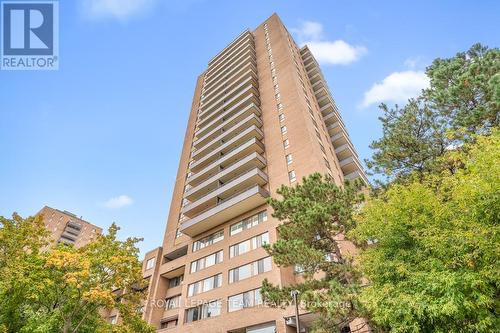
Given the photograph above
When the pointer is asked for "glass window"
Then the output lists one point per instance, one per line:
(248, 223)
(289, 159)
(150, 263)
(286, 143)
(209, 240)
(173, 302)
(281, 117)
(235, 303)
(283, 129)
(244, 300)
(251, 269)
(244, 272)
(249, 244)
(175, 281)
(207, 310)
(207, 261)
(292, 176)
(205, 285)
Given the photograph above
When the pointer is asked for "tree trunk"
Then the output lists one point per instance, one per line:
(67, 326)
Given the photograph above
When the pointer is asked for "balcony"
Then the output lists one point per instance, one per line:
(225, 210)
(214, 71)
(244, 37)
(228, 79)
(335, 128)
(251, 146)
(355, 175)
(344, 151)
(350, 164)
(230, 90)
(207, 125)
(251, 132)
(225, 136)
(340, 139)
(239, 95)
(224, 124)
(225, 191)
(331, 118)
(249, 162)
(242, 60)
(321, 92)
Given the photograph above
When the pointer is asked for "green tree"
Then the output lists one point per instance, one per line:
(63, 289)
(435, 262)
(463, 99)
(21, 241)
(313, 215)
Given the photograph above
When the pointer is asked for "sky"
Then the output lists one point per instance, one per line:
(101, 137)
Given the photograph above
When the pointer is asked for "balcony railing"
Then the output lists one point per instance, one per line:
(226, 135)
(251, 132)
(206, 125)
(225, 191)
(252, 161)
(225, 123)
(225, 210)
(251, 146)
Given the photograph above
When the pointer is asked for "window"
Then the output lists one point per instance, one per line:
(244, 300)
(169, 323)
(286, 143)
(207, 261)
(150, 263)
(173, 302)
(283, 129)
(280, 106)
(247, 223)
(249, 270)
(205, 285)
(207, 310)
(289, 159)
(292, 176)
(209, 240)
(248, 245)
(281, 117)
(175, 281)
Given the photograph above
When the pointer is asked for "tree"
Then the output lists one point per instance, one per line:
(63, 289)
(463, 99)
(413, 137)
(314, 213)
(463, 89)
(21, 241)
(434, 265)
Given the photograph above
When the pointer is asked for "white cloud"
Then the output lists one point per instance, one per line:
(398, 87)
(119, 9)
(337, 52)
(309, 31)
(119, 202)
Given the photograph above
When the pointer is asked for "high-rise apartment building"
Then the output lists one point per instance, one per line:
(67, 228)
(262, 116)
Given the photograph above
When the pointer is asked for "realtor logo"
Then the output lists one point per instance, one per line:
(30, 35)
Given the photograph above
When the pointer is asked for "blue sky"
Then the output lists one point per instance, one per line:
(101, 137)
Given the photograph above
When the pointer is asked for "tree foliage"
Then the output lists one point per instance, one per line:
(314, 213)
(435, 266)
(63, 289)
(463, 99)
